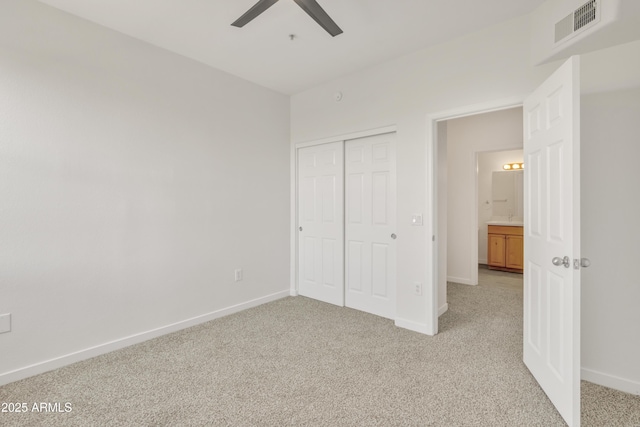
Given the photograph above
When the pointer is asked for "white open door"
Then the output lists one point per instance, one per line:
(321, 222)
(552, 238)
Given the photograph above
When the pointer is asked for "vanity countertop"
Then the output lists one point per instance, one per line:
(506, 223)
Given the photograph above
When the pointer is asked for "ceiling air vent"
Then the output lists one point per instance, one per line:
(577, 20)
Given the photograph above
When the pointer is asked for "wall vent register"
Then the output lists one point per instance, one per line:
(577, 20)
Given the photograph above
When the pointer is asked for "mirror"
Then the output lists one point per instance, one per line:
(507, 188)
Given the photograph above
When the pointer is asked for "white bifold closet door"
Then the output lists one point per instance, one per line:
(370, 225)
(321, 222)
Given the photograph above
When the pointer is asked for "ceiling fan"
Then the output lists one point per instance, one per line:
(312, 8)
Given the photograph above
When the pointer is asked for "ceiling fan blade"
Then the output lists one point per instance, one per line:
(256, 10)
(318, 14)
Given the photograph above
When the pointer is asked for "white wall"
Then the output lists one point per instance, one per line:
(489, 162)
(133, 181)
(466, 137)
(490, 66)
(610, 209)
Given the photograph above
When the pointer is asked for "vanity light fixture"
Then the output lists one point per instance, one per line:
(513, 166)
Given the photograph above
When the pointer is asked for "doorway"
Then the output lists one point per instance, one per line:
(500, 204)
(461, 195)
(551, 310)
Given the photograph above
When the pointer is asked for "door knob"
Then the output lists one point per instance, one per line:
(561, 261)
(393, 236)
(299, 228)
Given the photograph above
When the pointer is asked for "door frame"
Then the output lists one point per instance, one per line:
(436, 244)
(293, 164)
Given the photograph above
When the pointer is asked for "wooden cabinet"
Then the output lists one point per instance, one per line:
(505, 251)
(496, 253)
(515, 253)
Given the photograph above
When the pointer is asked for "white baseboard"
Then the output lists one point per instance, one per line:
(414, 326)
(611, 381)
(463, 280)
(68, 359)
(443, 309)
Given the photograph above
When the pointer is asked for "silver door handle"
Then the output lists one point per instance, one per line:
(299, 228)
(557, 261)
(393, 236)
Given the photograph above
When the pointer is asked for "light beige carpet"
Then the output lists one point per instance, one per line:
(302, 362)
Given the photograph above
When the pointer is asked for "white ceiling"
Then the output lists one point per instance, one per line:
(262, 52)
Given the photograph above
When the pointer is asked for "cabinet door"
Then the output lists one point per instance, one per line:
(514, 252)
(496, 253)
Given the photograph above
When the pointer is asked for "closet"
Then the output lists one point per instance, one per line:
(346, 223)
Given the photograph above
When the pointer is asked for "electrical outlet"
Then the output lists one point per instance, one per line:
(238, 275)
(5, 323)
(417, 288)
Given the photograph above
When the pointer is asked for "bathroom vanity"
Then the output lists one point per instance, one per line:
(506, 246)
